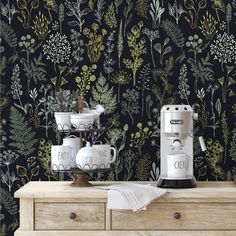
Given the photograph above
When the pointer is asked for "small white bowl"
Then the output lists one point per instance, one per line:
(95, 114)
(82, 121)
(63, 120)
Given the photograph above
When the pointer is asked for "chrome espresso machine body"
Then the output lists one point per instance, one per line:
(177, 147)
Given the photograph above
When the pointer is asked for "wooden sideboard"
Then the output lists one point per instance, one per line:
(57, 209)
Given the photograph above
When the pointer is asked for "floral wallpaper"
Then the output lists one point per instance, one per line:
(131, 56)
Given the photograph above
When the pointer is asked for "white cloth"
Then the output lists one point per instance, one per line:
(128, 196)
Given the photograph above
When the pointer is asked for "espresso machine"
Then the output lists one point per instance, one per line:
(177, 147)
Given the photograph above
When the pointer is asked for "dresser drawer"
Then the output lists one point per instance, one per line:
(70, 216)
(178, 216)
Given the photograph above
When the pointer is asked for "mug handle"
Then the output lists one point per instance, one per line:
(114, 155)
(85, 103)
(72, 136)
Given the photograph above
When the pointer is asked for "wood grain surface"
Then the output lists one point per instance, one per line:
(206, 191)
(124, 233)
(193, 216)
(55, 216)
(27, 213)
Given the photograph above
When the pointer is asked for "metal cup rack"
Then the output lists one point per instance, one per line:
(81, 178)
(89, 132)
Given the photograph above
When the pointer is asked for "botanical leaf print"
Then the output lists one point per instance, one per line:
(193, 8)
(21, 134)
(176, 11)
(95, 44)
(40, 25)
(109, 62)
(136, 49)
(77, 10)
(142, 7)
(6, 159)
(102, 94)
(130, 103)
(183, 86)
(156, 12)
(8, 34)
(174, 32)
(98, 12)
(85, 78)
(132, 57)
(77, 48)
(26, 10)
(208, 25)
(110, 16)
(61, 15)
(8, 11)
(8, 203)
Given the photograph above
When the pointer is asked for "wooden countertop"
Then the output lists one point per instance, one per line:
(205, 191)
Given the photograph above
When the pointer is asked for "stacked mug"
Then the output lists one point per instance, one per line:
(81, 121)
(63, 157)
(70, 155)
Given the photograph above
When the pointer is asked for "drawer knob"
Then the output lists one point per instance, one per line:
(177, 215)
(72, 215)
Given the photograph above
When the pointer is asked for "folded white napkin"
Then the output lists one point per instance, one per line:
(131, 196)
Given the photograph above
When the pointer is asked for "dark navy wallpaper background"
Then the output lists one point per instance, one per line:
(130, 56)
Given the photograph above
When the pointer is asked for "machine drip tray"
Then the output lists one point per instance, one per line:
(176, 183)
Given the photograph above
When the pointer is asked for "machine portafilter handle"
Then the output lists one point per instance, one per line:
(200, 138)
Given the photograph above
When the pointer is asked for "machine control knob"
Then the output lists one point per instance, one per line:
(176, 144)
(177, 215)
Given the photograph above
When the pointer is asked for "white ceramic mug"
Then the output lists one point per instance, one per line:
(62, 157)
(63, 120)
(82, 121)
(73, 142)
(177, 165)
(95, 114)
(105, 152)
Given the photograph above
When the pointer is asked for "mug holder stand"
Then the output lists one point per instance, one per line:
(81, 175)
(81, 180)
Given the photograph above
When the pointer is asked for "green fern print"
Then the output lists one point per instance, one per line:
(21, 134)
